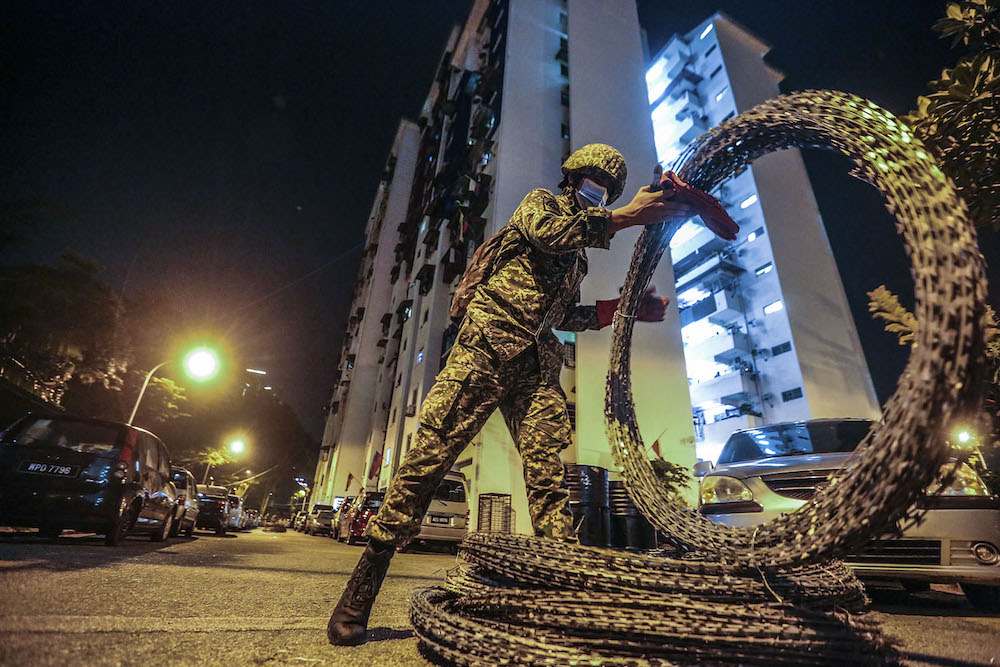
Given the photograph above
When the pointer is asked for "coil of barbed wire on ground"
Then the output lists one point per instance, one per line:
(768, 594)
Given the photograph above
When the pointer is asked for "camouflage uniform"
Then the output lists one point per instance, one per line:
(505, 356)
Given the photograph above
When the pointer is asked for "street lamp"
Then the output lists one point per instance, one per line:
(200, 364)
(236, 446)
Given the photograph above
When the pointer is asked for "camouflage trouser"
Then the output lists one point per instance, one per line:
(471, 386)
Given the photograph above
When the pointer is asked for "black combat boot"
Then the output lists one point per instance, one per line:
(348, 625)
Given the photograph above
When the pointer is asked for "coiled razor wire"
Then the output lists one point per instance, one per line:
(744, 595)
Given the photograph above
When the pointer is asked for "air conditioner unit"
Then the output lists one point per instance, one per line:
(411, 410)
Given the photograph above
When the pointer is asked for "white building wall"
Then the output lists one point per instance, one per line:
(836, 379)
(608, 104)
(349, 430)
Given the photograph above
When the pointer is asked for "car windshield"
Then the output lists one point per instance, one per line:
(180, 480)
(450, 491)
(373, 501)
(79, 436)
(793, 439)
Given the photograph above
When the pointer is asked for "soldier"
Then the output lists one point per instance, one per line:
(505, 356)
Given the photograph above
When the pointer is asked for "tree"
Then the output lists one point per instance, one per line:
(673, 477)
(62, 322)
(959, 120)
(884, 305)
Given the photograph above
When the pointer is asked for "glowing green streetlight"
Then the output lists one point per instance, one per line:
(963, 436)
(201, 363)
(237, 446)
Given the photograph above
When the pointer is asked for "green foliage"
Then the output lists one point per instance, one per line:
(959, 120)
(674, 479)
(885, 306)
(62, 322)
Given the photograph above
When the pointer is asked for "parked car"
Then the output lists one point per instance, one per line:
(310, 517)
(447, 517)
(252, 518)
(355, 519)
(236, 519)
(213, 508)
(338, 515)
(186, 515)
(320, 523)
(299, 520)
(70, 472)
(772, 470)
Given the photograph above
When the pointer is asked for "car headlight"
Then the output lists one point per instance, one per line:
(966, 482)
(722, 489)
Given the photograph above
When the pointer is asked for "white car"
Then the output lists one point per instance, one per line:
(186, 515)
(447, 517)
(768, 471)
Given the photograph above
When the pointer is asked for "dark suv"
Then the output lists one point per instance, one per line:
(87, 474)
(213, 508)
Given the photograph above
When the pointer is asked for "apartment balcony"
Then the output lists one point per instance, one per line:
(713, 274)
(425, 276)
(728, 308)
(730, 346)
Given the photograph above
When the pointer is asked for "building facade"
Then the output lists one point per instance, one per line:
(518, 87)
(767, 332)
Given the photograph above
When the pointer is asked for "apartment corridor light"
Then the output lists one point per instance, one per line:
(692, 296)
(721, 94)
(685, 233)
(700, 331)
(749, 201)
(751, 237)
(773, 307)
(708, 29)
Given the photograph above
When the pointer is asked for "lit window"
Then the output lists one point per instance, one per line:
(704, 33)
(420, 355)
(720, 94)
(764, 269)
(751, 237)
(749, 201)
(655, 70)
(773, 307)
(685, 233)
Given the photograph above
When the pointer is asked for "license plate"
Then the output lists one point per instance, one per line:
(440, 519)
(56, 469)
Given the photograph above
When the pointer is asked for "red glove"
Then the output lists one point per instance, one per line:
(652, 308)
(606, 312)
(706, 205)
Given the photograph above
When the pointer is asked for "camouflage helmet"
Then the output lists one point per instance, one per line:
(598, 160)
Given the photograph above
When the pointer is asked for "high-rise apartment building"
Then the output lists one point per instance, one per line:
(767, 332)
(519, 86)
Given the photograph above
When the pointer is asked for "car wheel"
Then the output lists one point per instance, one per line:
(120, 525)
(165, 530)
(221, 530)
(175, 529)
(982, 597)
(351, 539)
(189, 532)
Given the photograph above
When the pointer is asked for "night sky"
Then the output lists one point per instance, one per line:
(228, 153)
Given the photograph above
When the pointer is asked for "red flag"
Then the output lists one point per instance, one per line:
(656, 448)
(349, 478)
(376, 465)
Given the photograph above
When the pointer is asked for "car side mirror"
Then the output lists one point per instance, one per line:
(702, 468)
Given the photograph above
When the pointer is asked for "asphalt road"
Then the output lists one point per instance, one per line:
(259, 598)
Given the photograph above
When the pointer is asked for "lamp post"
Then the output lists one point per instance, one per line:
(200, 364)
(236, 446)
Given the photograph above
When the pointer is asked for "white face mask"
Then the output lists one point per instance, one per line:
(590, 194)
